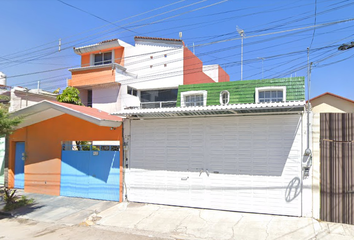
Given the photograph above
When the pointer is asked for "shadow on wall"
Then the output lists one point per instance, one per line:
(93, 164)
(102, 95)
(261, 147)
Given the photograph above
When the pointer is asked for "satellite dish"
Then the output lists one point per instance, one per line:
(180, 35)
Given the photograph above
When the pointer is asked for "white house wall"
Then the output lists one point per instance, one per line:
(138, 61)
(307, 185)
(212, 71)
(251, 162)
(22, 99)
(105, 98)
(127, 100)
(316, 165)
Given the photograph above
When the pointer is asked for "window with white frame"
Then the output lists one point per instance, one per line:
(193, 98)
(270, 94)
(103, 58)
(132, 91)
(224, 97)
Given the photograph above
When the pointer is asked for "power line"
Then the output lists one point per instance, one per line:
(221, 41)
(95, 16)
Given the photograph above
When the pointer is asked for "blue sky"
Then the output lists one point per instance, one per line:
(31, 31)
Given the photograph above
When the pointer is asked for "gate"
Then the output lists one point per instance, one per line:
(337, 167)
(90, 172)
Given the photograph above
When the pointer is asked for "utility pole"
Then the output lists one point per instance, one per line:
(38, 84)
(308, 97)
(242, 34)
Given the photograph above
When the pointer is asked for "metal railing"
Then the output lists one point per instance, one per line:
(161, 104)
(89, 147)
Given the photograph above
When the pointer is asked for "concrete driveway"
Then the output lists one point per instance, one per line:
(191, 223)
(59, 209)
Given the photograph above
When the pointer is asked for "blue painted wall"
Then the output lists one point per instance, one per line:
(87, 175)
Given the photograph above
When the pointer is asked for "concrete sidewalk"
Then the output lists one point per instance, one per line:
(190, 223)
(167, 222)
(59, 209)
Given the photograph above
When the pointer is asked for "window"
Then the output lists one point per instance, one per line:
(132, 91)
(270, 94)
(89, 98)
(193, 98)
(103, 58)
(158, 98)
(224, 97)
(162, 95)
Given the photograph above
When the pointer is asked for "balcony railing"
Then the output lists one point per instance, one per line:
(163, 104)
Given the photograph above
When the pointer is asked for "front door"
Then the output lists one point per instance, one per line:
(20, 165)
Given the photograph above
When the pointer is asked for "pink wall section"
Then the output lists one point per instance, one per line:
(223, 76)
(193, 69)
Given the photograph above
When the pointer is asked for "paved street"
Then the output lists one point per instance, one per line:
(57, 217)
(19, 229)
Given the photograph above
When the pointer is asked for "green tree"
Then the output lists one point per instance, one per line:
(70, 95)
(7, 123)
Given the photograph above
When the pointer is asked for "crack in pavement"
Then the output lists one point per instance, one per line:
(233, 230)
(135, 225)
(267, 226)
(314, 221)
(200, 216)
(179, 225)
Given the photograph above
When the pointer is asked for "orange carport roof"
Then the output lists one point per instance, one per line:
(49, 109)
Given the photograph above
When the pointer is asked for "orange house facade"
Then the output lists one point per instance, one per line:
(43, 158)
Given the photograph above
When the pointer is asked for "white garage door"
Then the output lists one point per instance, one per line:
(246, 163)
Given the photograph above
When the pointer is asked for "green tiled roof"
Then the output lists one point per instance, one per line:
(244, 91)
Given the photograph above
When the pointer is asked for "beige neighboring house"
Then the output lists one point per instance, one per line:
(324, 103)
(23, 97)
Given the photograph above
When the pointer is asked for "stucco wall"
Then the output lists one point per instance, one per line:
(22, 99)
(157, 65)
(331, 104)
(105, 98)
(43, 149)
(92, 77)
(193, 69)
